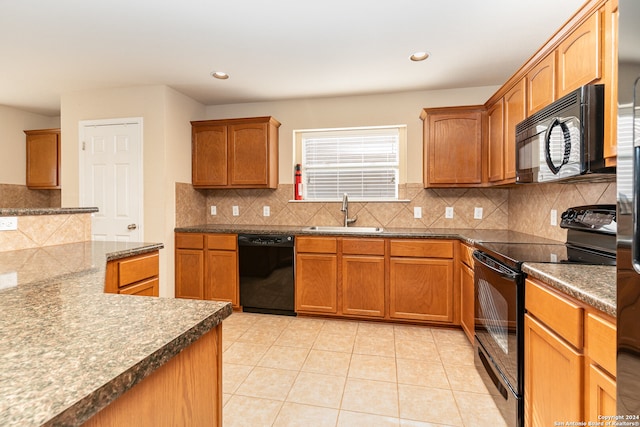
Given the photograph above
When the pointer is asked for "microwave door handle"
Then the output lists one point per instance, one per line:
(566, 135)
(479, 257)
(635, 139)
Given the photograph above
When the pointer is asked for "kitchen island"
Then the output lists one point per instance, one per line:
(68, 350)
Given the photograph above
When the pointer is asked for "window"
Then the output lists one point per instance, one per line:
(363, 162)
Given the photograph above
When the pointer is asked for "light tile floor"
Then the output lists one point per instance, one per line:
(297, 371)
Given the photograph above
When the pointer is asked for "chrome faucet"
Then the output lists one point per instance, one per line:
(345, 209)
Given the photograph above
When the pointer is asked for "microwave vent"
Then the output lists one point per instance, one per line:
(549, 112)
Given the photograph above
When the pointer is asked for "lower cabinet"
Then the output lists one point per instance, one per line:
(363, 277)
(134, 275)
(206, 267)
(316, 275)
(570, 357)
(421, 280)
(467, 298)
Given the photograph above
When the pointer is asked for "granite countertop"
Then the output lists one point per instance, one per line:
(44, 211)
(593, 285)
(67, 349)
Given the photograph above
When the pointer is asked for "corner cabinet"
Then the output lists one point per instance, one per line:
(453, 146)
(235, 153)
(43, 159)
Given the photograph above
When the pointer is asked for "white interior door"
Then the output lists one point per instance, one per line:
(111, 178)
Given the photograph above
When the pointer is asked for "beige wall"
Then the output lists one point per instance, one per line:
(166, 150)
(372, 110)
(12, 141)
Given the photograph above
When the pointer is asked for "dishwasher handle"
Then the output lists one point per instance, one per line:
(495, 266)
(279, 240)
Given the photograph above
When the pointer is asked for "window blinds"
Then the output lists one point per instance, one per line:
(361, 162)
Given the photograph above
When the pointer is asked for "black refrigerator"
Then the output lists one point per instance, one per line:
(628, 211)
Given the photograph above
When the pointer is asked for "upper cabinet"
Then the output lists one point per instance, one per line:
(43, 158)
(541, 89)
(496, 155)
(235, 153)
(515, 111)
(453, 145)
(579, 59)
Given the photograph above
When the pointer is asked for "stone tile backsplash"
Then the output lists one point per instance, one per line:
(35, 231)
(523, 208)
(19, 196)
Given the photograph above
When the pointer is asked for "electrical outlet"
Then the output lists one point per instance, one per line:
(477, 213)
(8, 223)
(554, 217)
(235, 210)
(417, 212)
(214, 210)
(448, 212)
(266, 211)
(8, 280)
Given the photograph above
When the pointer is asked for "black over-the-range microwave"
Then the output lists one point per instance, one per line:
(564, 140)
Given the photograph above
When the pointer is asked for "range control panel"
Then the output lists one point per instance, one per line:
(599, 218)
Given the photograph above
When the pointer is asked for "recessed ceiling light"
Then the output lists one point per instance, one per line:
(220, 75)
(419, 56)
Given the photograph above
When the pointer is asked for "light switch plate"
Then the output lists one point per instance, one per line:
(8, 223)
(417, 212)
(448, 212)
(554, 217)
(477, 213)
(235, 210)
(9, 280)
(266, 211)
(214, 210)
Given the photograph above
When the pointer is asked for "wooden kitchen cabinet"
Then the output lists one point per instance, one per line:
(421, 280)
(134, 275)
(515, 111)
(43, 158)
(221, 281)
(453, 146)
(541, 84)
(316, 275)
(206, 267)
(496, 152)
(363, 277)
(579, 56)
(600, 367)
(467, 289)
(235, 153)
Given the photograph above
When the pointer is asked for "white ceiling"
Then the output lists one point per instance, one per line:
(278, 49)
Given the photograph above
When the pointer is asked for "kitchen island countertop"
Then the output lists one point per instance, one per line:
(67, 349)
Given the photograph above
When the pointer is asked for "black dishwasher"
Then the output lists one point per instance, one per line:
(266, 273)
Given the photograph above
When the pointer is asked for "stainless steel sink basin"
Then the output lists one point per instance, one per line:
(331, 229)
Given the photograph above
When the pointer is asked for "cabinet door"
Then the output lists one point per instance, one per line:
(249, 154)
(363, 285)
(541, 84)
(145, 288)
(495, 122)
(43, 159)
(515, 111)
(189, 273)
(316, 283)
(579, 56)
(467, 318)
(601, 393)
(553, 378)
(209, 156)
(421, 289)
(221, 276)
(453, 148)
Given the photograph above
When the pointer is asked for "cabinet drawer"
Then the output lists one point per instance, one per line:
(557, 312)
(189, 241)
(422, 248)
(321, 245)
(137, 268)
(466, 254)
(601, 342)
(363, 246)
(225, 242)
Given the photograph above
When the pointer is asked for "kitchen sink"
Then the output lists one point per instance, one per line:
(332, 229)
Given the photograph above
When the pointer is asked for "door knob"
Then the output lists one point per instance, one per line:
(132, 226)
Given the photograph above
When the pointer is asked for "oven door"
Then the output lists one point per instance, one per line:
(499, 316)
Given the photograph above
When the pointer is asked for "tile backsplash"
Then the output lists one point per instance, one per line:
(522, 208)
(35, 231)
(20, 196)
